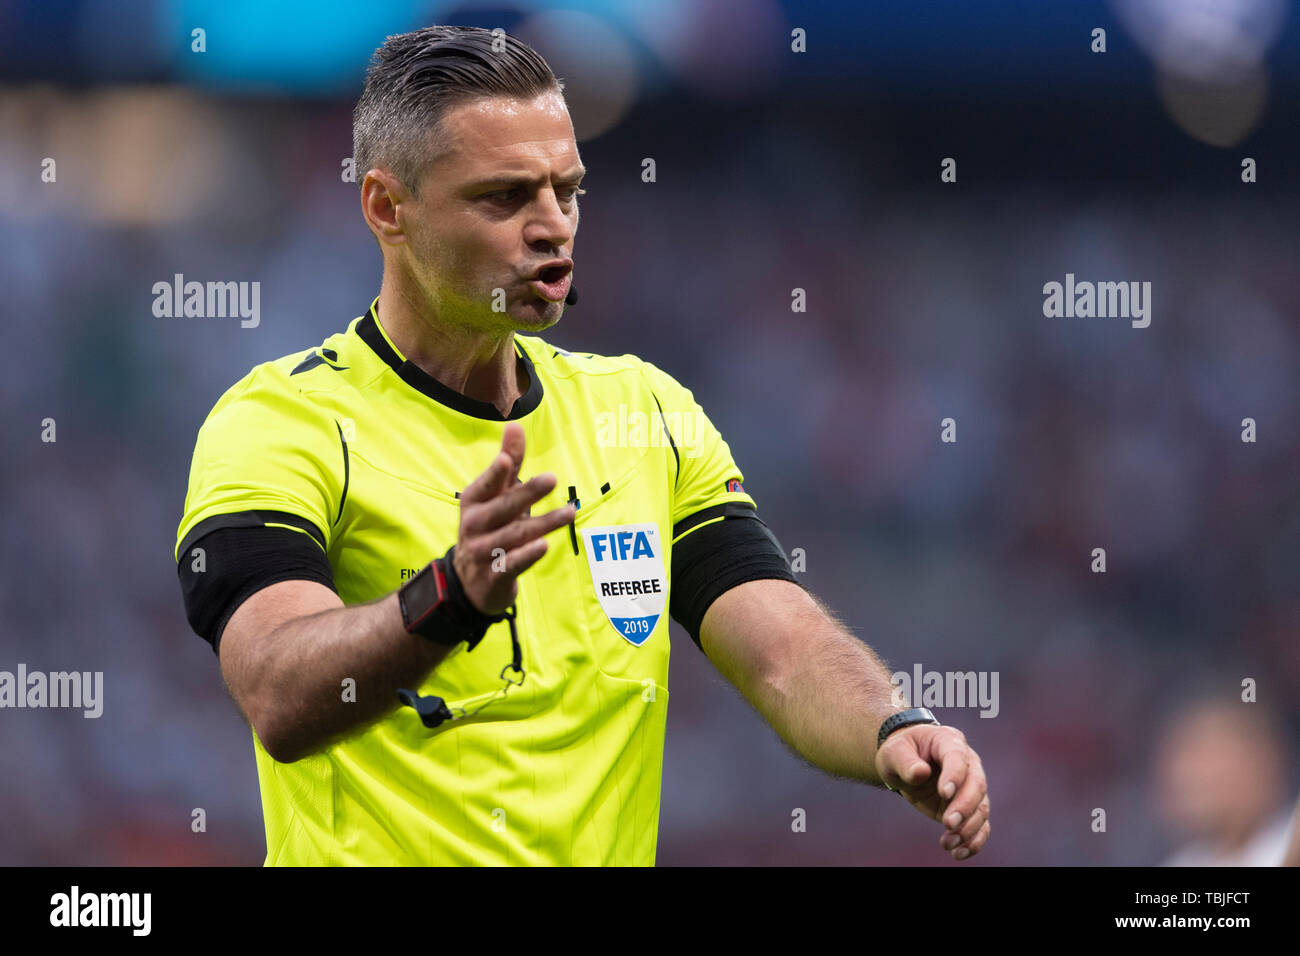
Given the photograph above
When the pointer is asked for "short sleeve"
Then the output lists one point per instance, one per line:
(267, 447)
(708, 486)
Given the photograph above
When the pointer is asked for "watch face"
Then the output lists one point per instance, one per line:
(420, 594)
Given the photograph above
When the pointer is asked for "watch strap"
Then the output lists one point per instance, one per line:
(904, 718)
(434, 605)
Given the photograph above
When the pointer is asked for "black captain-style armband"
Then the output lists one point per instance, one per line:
(227, 558)
(717, 556)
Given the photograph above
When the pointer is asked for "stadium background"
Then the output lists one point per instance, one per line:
(775, 170)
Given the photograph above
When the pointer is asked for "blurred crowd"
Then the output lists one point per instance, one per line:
(1072, 435)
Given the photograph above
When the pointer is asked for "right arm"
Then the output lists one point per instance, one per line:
(287, 649)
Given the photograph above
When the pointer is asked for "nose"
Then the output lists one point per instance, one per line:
(551, 224)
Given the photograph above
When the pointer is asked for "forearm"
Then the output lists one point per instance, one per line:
(822, 690)
(303, 664)
(827, 694)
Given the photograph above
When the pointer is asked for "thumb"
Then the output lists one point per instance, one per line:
(915, 773)
(908, 765)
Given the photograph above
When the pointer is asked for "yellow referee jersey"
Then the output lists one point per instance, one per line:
(372, 452)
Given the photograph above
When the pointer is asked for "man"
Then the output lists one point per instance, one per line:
(530, 655)
(1221, 784)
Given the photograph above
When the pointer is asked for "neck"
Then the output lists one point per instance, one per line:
(477, 363)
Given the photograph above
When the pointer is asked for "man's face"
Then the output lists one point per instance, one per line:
(1215, 774)
(501, 203)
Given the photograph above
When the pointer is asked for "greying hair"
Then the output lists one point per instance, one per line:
(415, 78)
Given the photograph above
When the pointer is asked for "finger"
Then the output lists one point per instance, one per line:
(972, 824)
(520, 532)
(971, 793)
(915, 773)
(514, 473)
(505, 466)
(522, 558)
(512, 443)
(508, 505)
(953, 757)
(489, 484)
(981, 838)
(977, 844)
(902, 763)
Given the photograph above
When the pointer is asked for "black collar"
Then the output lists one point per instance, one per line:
(422, 381)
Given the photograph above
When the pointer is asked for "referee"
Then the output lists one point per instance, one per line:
(447, 657)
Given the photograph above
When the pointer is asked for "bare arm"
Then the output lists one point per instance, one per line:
(826, 693)
(823, 690)
(287, 650)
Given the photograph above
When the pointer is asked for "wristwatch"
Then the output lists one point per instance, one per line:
(904, 718)
(434, 605)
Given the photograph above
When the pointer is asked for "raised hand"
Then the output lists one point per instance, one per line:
(496, 523)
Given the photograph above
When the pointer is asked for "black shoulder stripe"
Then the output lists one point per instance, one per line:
(676, 457)
(346, 475)
(728, 509)
(307, 364)
(315, 359)
(248, 519)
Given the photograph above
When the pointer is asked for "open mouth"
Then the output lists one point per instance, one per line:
(552, 283)
(553, 274)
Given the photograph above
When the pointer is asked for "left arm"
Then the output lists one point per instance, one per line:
(827, 693)
(823, 690)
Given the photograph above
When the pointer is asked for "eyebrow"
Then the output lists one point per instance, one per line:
(519, 179)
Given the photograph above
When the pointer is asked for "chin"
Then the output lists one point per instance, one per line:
(537, 315)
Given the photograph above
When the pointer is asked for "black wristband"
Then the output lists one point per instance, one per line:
(435, 606)
(460, 607)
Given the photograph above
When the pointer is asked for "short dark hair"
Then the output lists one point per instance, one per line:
(415, 78)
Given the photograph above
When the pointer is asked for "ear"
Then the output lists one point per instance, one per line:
(382, 194)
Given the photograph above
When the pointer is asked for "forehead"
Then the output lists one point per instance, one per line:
(488, 133)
